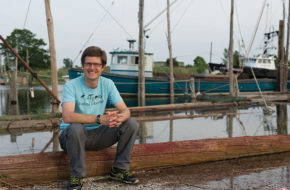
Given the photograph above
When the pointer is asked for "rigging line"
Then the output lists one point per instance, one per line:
(26, 14)
(91, 35)
(161, 21)
(179, 20)
(256, 29)
(115, 19)
(223, 10)
(239, 28)
(164, 10)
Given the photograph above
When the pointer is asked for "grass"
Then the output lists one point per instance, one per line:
(176, 70)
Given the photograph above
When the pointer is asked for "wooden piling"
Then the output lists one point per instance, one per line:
(54, 78)
(170, 54)
(280, 73)
(231, 46)
(141, 66)
(192, 88)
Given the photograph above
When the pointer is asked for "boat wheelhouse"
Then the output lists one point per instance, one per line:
(125, 62)
(260, 62)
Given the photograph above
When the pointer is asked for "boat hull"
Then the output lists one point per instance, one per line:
(262, 73)
(128, 85)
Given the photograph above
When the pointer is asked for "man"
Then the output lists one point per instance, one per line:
(85, 126)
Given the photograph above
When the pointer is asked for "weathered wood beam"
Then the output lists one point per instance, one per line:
(45, 167)
(53, 123)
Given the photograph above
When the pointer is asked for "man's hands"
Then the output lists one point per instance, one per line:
(112, 119)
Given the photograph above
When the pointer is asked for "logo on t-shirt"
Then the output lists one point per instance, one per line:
(90, 99)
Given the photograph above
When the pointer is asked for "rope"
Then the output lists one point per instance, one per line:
(27, 14)
(255, 32)
(115, 20)
(98, 25)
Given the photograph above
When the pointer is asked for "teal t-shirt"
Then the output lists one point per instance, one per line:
(90, 101)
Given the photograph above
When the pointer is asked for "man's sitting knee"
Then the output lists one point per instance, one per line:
(132, 124)
(75, 128)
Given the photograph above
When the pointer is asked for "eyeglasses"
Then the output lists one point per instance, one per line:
(97, 65)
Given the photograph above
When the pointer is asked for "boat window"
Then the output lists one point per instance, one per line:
(134, 60)
(122, 59)
(260, 61)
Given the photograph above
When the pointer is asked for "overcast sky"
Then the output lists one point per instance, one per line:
(194, 23)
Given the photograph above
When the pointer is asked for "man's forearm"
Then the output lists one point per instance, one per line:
(125, 115)
(78, 118)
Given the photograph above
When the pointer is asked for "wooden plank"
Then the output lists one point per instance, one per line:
(45, 167)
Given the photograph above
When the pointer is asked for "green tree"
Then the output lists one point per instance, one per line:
(226, 57)
(175, 62)
(68, 63)
(38, 56)
(200, 64)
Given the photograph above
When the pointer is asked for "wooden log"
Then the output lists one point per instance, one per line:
(53, 123)
(45, 167)
(35, 124)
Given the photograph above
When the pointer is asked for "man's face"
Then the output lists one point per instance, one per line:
(93, 67)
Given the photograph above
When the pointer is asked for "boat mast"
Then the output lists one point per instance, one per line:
(170, 54)
(141, 74)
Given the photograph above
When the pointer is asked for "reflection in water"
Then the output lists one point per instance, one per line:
(39, 104)
(230, 119)
(282, 119)
(171, 127)
(252, 121)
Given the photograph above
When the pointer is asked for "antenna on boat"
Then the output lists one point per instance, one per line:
(131, 44)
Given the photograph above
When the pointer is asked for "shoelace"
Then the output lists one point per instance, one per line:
(75, 180)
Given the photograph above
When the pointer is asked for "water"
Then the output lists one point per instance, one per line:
(246, 122)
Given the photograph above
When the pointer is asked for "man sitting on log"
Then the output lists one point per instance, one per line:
(85, 126)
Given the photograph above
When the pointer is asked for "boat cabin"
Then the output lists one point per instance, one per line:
(260, 62)
(125, 62)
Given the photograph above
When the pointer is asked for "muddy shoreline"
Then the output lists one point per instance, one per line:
(242, 173)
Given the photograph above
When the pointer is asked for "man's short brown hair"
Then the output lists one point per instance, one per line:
(94, 51)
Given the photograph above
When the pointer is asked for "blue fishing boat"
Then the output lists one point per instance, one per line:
(124, 73)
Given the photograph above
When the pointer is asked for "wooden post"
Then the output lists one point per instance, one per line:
(231, 57)
(287, 50)
(2, 71)
(282, 119)
(13, 96)
(28, 84)
(170, 54)
(52, 53)
(142, 132)
(141, 75)
(237, 92)
(171, 127)
(55, 141)
(280, 57)
(192, 88)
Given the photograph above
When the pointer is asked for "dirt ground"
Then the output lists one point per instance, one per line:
(263, 172)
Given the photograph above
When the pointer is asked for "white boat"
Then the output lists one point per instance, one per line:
(125, 62)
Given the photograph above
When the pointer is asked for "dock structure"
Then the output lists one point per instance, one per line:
(46, 167)
(53, 120)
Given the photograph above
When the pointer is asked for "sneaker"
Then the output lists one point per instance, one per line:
(123, 176)
(75, 183)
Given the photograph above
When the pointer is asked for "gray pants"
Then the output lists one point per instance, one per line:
(75, 140)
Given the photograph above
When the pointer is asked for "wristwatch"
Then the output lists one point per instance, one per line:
(98, 119)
